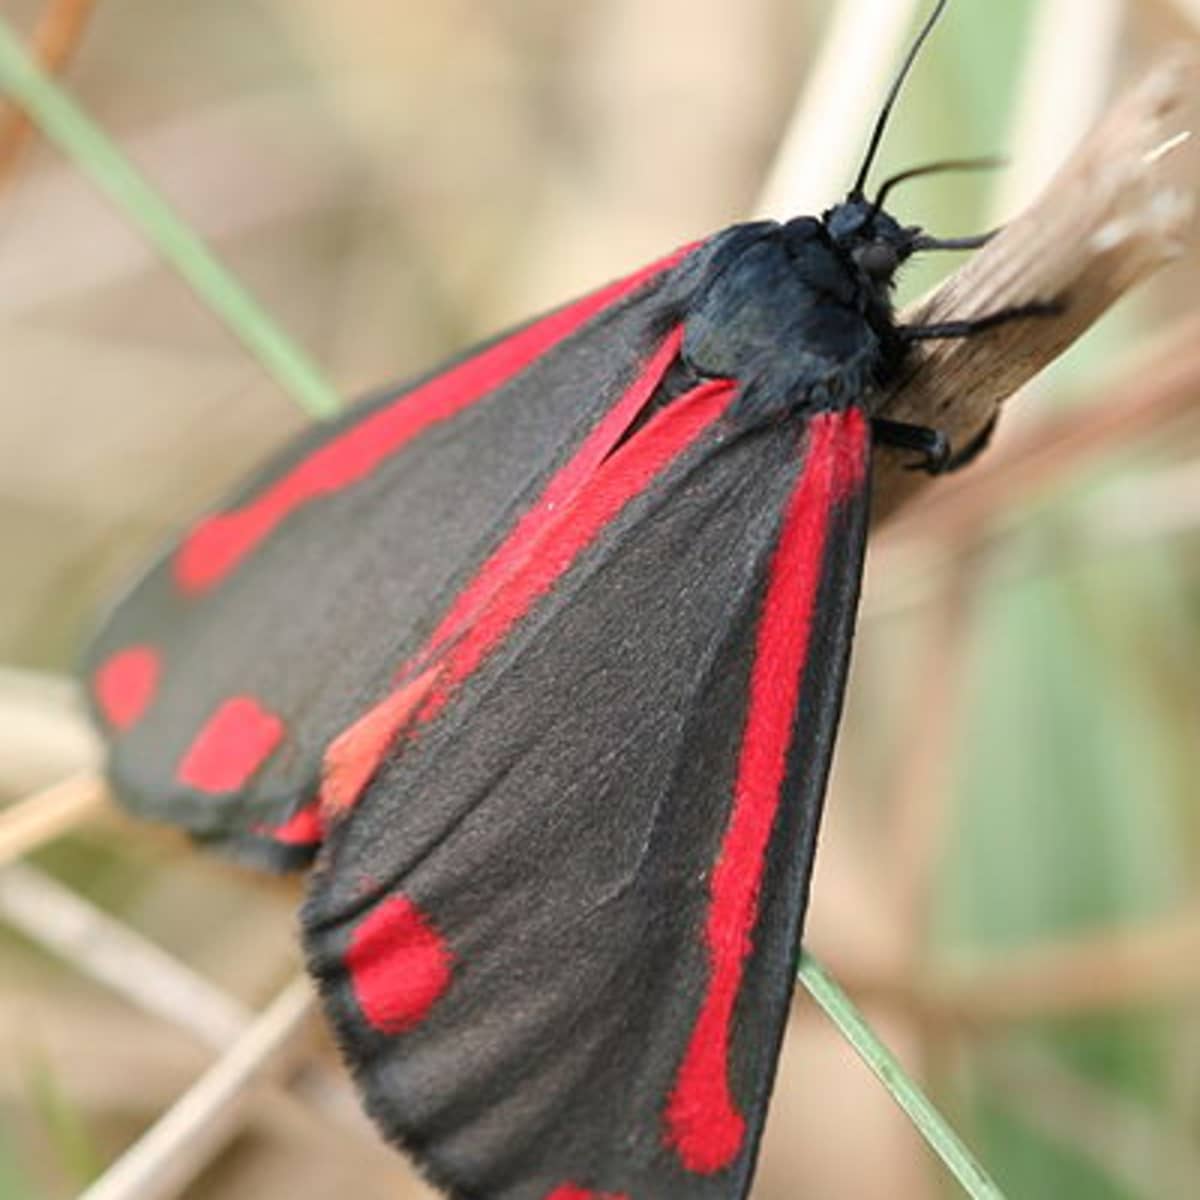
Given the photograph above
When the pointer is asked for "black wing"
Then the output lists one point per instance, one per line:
(556, 923)
(274, 622)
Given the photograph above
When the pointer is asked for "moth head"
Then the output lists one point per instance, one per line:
(872, 239)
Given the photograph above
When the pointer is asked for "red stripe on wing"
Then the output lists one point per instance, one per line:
(703, 1125)
(353, 756)
(218, 544)
(353, 759)
(561, 489)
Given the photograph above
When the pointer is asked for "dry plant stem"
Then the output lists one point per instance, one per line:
(166, 1159)
(1165, 505)
(920, 797)
(49, 814)
(43, 737)
(129, 964)
(110, 952)
(919, 804)
(55, 39)
(1143, 1154)
(1109, 218)
(1068, 39)
(1157, 388)
(1110, 971)
(1189, 9)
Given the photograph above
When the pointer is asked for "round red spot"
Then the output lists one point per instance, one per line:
(124, 685)
(234, 742)
(399, 965)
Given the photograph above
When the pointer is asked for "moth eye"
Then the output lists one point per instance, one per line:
(878, 259)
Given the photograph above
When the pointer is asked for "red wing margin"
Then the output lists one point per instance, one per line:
(556, 924)
(274, 623)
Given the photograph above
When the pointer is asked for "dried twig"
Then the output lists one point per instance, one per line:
(1108, 971)
(1188, 9)
(109, 951)
(43, 736)
(1164, 505)
(1110, 217)
(1157, 387)
(184, 1141)
(1112, 969)
(1125, 1137)
(921, 792)
(49, 814)
(54, 42)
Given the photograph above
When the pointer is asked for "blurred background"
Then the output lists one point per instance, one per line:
(1009, 873)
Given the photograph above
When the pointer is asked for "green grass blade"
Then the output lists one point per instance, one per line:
(932, 1126)
(65, 124)
(15, 1184)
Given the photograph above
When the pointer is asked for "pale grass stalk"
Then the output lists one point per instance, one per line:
(118, 957)
(827, 133)
(1075, 40)
(43, 736)
(1127, 1139)
(164, 1161)
(919, 800)
(1163, 505)
(1188, 9)
(1107, 971)
(49, 814)
(1070, 39)
(1130, 968)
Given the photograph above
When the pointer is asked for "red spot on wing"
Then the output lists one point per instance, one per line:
(562, 536)
(234, 742)
(351, 757)
(217, 545)
(569, 1191)
(303, 828)
(125, 684)
(703, 1125)
(399, 965)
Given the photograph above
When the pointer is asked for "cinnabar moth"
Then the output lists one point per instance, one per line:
(541, 659)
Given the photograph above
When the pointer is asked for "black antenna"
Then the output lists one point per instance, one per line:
(881, 123)
(991, 162)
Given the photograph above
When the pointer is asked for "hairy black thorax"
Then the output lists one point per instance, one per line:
(801, 315)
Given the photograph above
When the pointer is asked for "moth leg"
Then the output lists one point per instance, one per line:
(931, 444)
(975, 447)
(937, 456)
(974, 325)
